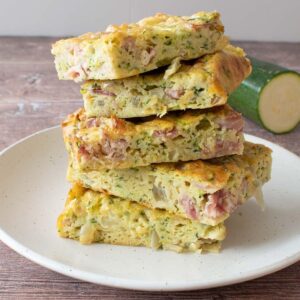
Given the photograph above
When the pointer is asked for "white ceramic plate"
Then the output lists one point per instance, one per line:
(32, 194)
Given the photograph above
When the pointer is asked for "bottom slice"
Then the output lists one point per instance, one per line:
(91, 216)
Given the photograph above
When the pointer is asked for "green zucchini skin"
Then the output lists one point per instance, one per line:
(246, 97)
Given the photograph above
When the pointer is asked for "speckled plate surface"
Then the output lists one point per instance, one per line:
(33, 190)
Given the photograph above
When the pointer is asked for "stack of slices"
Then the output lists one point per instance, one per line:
(156, 157)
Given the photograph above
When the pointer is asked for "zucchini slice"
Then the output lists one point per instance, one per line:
(270, 97)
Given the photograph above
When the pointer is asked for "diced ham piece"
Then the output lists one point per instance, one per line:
(114, 149)
(112, 123)
(77, 73)
(189, 206)
(225, 147)
(99, 91)
(83, 152)
(206, 150)
(214, 206)
(219, 203)
(231, 202)
(174, 94)
(92, 122)
(128, 43)
(173, 133)
(232, 121)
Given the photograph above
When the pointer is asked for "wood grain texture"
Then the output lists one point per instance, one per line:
(31, 98)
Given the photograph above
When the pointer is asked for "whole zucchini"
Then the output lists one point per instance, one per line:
(270, 97)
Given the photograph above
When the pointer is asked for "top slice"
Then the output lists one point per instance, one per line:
(131, 49)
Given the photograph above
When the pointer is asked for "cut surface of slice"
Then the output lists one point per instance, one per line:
(270, 96)
(130, 49)
(108, 143)
(198, 84)
(207, 191)
(279, 105)
(93, 217)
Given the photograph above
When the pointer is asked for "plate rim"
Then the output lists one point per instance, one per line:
(134, 284)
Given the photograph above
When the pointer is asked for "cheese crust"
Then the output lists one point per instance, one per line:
(93, 217)
(107, 143)
(131, 49)
(198, 84)
(207, 191)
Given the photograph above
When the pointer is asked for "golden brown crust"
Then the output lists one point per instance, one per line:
(227, 67)
(115, 126)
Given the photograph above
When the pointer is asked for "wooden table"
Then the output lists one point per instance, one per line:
(32, 98)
